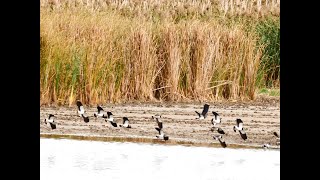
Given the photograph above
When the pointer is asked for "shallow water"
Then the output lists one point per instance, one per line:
(74, 159)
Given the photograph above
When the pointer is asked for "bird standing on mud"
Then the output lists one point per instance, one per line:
(50, 120)
(81, 112)
(204, 113)
(239, 127)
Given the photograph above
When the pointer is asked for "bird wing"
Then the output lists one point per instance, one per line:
(222, 142)
(100, 110)
(158, 129)
(205, 110)
(243, 135)
(85, 118)
(113, 124)
(53, 125)
(220, 131)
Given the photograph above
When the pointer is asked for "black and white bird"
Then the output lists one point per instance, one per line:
(50, 120)
(81, 112)
(265, 146)
(239, 127)
(222, 141)
(157, 117)
(161, 134)
(216, 119)
(110, 119)
(125, 123)
(219, 130)
(100, 113)
(204, 113)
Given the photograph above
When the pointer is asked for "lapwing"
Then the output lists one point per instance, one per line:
(239, 127)
(222, 141)
(161, 134)
(157, 117)
(50, 120)
(100, 113)
(125, 123)
(216, 119)
(204, 113)
(81, 112)
(110, 119)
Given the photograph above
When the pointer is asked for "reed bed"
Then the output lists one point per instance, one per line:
(118, 51)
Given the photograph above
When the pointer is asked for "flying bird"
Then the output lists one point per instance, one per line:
(110, 119)
(216, 119)
(239, 127)
(276, 134)
(157, 117)
(161, 134)
(204, 113)
(219, 130)
(50, 120)
(222, 141)
(125, 123)
(100, 112)
(81, 112)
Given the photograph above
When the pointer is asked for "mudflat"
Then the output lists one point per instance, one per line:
(260, 119)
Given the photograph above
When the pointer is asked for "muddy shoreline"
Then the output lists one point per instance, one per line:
(261, 119)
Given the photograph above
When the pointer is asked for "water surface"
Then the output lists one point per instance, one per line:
(74, 159)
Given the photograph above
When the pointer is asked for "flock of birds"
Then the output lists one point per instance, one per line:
(216, 121)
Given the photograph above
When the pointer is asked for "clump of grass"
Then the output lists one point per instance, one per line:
(269, 37)
(105, 53)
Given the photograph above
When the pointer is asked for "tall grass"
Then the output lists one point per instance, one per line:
(113, 51)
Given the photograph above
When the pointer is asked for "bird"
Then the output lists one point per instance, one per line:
(222, 141)
(265, 146)
(109, 118)
(161, 134)
(239, 127)
(157, 117)
(219, 130)
(81, 112)
(204, 113)
(50, 120)
(125, 123)
(216, 119)
(100, 112)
